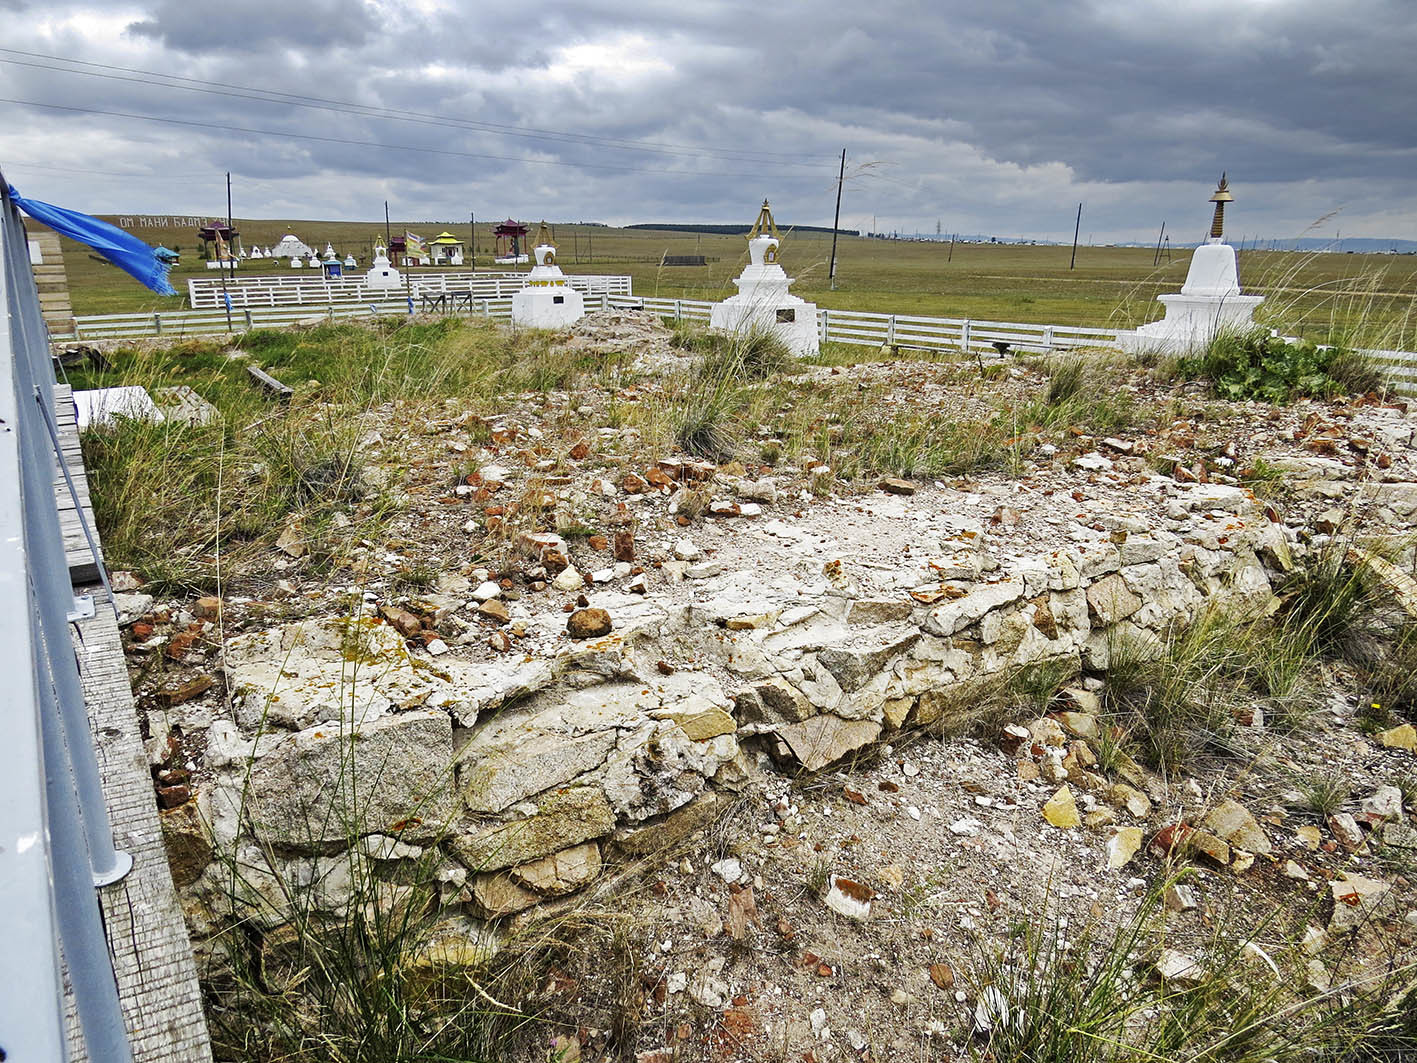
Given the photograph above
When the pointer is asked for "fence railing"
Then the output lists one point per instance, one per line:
(55, 839)
(834, 326)
(295, 289)
(906, 330)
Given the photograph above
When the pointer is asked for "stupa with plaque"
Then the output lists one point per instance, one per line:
(382, 274)
(547, 301)
(763, 300)
(1209, 302)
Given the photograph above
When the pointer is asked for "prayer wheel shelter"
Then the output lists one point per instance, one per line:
(446, 249)
(218, 241)
(510, 238)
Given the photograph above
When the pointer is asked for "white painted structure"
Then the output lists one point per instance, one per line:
(1210, 301)
(290, 246)
(102, 405)
(382, 274)
(547, 301)
(763, 299)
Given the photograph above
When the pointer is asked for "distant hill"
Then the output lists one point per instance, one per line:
(734, 230)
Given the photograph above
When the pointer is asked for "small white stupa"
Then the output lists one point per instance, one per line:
(547, 301)
(1210, 300)
(382, 274)
(296, 262)
(350, 262)
(763, 300)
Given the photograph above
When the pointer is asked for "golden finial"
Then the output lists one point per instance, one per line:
(543, 234)
(765, 226)
(1222, 196)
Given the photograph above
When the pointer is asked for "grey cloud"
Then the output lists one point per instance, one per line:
(256, 26)
(986, 112)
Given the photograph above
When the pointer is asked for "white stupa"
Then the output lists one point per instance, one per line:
(290, 245)
(1209, 301)
(296, 262)
(382, 274)
(763, 300)
(547, 301)
(350, 262)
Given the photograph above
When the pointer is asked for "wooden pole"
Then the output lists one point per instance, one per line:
(836, 222)
(1076, 229)
(388, 236)
(952, 247)
(1156, 258)
(472, 247)
(226, 299)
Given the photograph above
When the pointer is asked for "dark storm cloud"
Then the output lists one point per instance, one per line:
(993, 115)
(253, 26)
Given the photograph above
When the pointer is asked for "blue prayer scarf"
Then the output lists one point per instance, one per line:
(125, 251)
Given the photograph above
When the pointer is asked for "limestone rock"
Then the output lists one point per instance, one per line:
(825, 739)
(321, 786)
(328, 669)
(1403, 736)
(568, 579)
(496, 895)
(562, 820)
(1061, 810)
(188, 843)
(1233, 822)
(503, 765)
(657, 768)
(561, 872)
(1122, 846)
(855, 664)
(1356, 899)
(1110, 600)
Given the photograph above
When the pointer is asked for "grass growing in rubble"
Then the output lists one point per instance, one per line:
(1056, 993)
(1187, 695)
(172, 498)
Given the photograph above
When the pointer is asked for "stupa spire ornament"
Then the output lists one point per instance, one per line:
(1222, 196)
(765, 226)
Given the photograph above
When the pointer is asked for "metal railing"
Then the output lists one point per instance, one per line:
(313, 289)
(55, 841)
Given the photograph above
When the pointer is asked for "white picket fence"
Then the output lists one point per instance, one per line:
(313, 288)
(908, 330)
(834, 326)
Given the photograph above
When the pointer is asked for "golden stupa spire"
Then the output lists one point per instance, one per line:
(765, 226)
(543, 234)
(1222, 196)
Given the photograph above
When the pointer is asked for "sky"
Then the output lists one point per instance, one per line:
(980, 116)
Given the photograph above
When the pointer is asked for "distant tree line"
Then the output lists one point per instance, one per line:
(736, 230)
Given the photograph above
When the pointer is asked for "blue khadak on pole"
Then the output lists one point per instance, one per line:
(124, 250)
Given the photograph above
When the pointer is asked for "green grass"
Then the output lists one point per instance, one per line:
(1060, 993)
(1357, 297)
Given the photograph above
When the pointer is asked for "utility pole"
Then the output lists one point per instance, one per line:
(1156, 258)
(1076, 229)
(952, 247)
(472, 247)
(836, 222)
(388, 236)
(225, 298)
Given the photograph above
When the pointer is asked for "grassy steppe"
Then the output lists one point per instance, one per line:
(1309, 294)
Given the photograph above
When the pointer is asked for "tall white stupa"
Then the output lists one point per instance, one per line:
(382, 274)
(547, 301)
(1209, 301)
(763, 300)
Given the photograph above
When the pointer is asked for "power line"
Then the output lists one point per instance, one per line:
(219, 88)
(399, 147)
